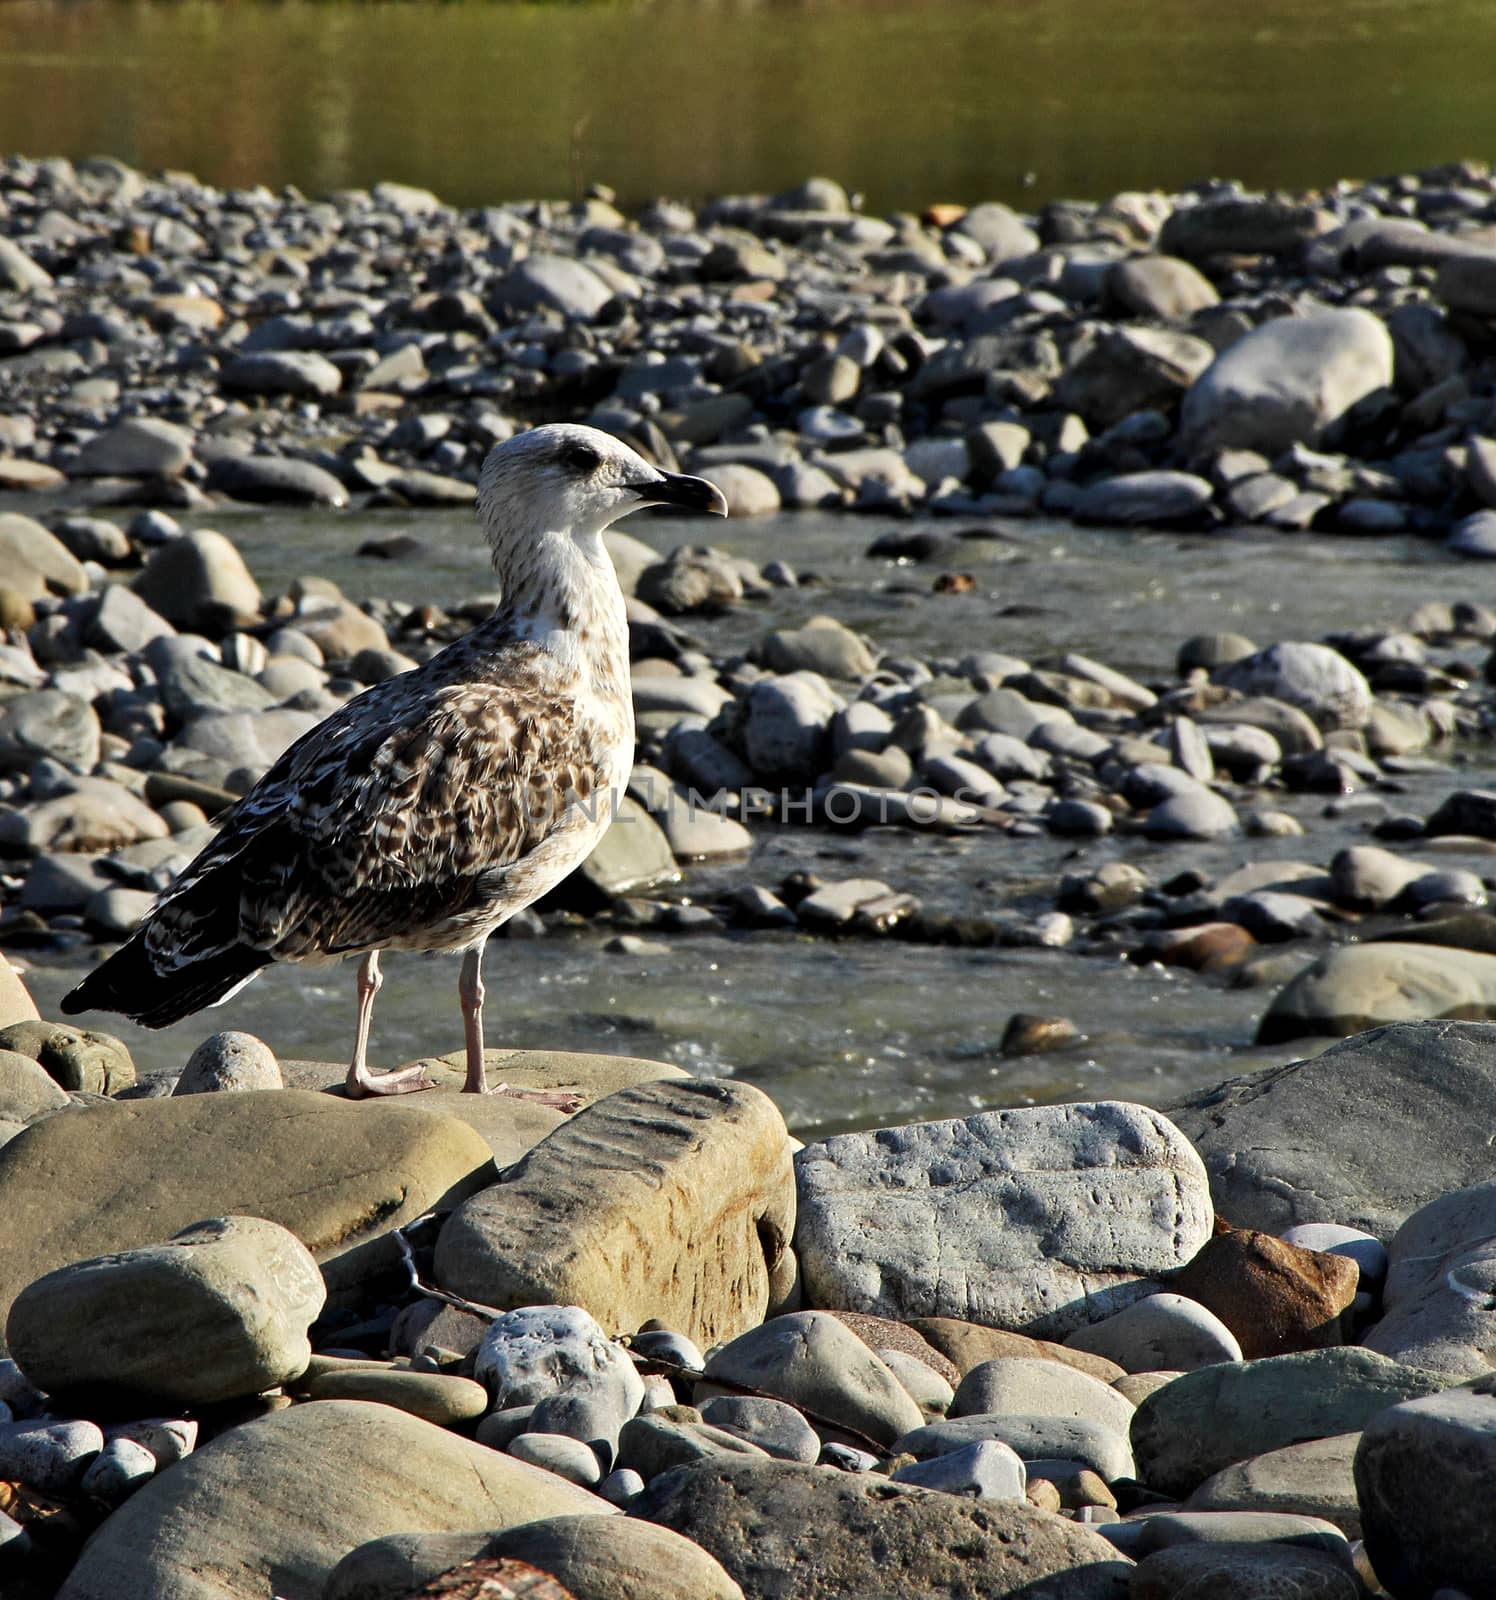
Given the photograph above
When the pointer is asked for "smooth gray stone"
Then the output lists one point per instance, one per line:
(986, 1470)
(812, 1360)
(49, 1456)
(1032, 1437)
(568, 1458)
(535, 1352)
(774, 1426)
(1317, 680)
(1036, 1386)
(1439, 1300)
(1207, 1419)
(1164, 1333)
(1286, 381)
(995, 1218)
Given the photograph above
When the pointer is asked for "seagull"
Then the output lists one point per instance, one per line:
(431, 808)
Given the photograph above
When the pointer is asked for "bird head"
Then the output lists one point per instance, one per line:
(573, 480)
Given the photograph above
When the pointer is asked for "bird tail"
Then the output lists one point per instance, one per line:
(129, 983)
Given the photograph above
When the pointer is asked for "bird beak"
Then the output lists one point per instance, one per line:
(685, 493)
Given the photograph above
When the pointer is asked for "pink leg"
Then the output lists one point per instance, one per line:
(361, 1083)
(470, 992)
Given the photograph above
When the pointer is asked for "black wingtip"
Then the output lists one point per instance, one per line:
(129, 984)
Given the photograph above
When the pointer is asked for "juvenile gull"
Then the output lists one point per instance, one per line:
(429, 810)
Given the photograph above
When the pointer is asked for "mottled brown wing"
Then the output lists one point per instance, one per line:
(390, 817)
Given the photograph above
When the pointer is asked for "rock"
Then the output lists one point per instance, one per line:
(554, 282)
(844, 1534)
(1001, 232)
(1369, 1254)
(16, 1004)
(302, 374)
(34, 562)
(1247, 226)
(776, 1427)
(229, 1061)
(1362, 1135)
(557, 1357)
(654, 1444)
(1466, 811)
(1166, 1530)
(1127, 370)
(27, 1090)
(1423, 1471)
(689, 1221)
(1034, 1436)
(1144, 498)
(692, 578)
(96, 1063)
(274, 1504)
(1192, 813)
(1274, 1297)
(46, 1455)
(339, 1175)
(968, 1344)
(1467, 283)
(199, 581)
(48, 723)
(1207, 1419)
(1163, 1333)
(117, 1471)
(967, 1211)
(218, 1313)
(1357, 987)
(19, 272)
(1016, 1384)
(432, 1396)
(823, 646)
(620, 1558)
(815, 1363)
(248, 739)
(123, 622)
(138, 447)
(1160, 286)
(1286, 381)
(277, 480)
(1312, 1480)
(1474, 535)
(749, 492)
(1245, 1571)
(556, 1452)
(784, 731)
(987, 1470)
(1436, 1309)
(1312, 677)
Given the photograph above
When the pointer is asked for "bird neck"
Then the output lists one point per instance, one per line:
(561, 590)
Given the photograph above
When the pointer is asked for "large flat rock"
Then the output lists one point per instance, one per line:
(782, 1529)
(273, 1506)
(673, 1200)
(339, 1175)
(1363, 1135)
(1033, 1220)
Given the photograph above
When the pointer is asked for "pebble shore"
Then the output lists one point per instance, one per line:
(264, 1341)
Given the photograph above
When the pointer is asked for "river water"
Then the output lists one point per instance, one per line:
(907, 101)
(849, 1034)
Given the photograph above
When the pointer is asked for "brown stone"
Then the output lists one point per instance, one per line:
(673, 1200)
(1275, 1297)
(883, 1333)
(1207, 947)
(968, 1345)
(490, 1579)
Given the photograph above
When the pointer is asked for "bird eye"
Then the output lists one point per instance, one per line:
(581, 456)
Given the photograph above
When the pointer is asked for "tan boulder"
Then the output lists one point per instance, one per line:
(339, 1175)
(272, 1506)
(673, 1200)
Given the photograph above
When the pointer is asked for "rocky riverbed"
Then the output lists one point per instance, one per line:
(263, 1341)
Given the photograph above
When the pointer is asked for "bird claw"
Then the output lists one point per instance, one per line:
(367, 1085)
(562, 1100)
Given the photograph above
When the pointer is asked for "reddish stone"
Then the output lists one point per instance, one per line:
(1274, 1297)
